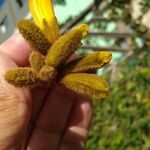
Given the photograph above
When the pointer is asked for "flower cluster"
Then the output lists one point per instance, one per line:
(48, 60)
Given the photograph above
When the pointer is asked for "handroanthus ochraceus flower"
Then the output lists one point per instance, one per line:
(48, 60)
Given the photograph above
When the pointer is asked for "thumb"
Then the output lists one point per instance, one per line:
(15, 106)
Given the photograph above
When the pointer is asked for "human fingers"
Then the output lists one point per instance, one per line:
(17, 49)
(52, 119)
(14, 108)
(77, 128)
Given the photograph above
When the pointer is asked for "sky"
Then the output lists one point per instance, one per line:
(72, 8)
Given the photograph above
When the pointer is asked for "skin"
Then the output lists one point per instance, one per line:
(35, 119)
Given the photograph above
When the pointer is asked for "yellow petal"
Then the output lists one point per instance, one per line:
(86, 84)
(43, 14)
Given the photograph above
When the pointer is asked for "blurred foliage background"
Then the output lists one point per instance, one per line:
(122, 121)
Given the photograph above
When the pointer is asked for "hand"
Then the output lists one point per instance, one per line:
(39, 119)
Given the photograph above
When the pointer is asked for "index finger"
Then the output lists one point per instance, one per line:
(17, 49)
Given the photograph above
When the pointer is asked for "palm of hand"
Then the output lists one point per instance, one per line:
(42, 119)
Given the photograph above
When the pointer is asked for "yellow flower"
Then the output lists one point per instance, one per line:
(50, 52)
(43, 14)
